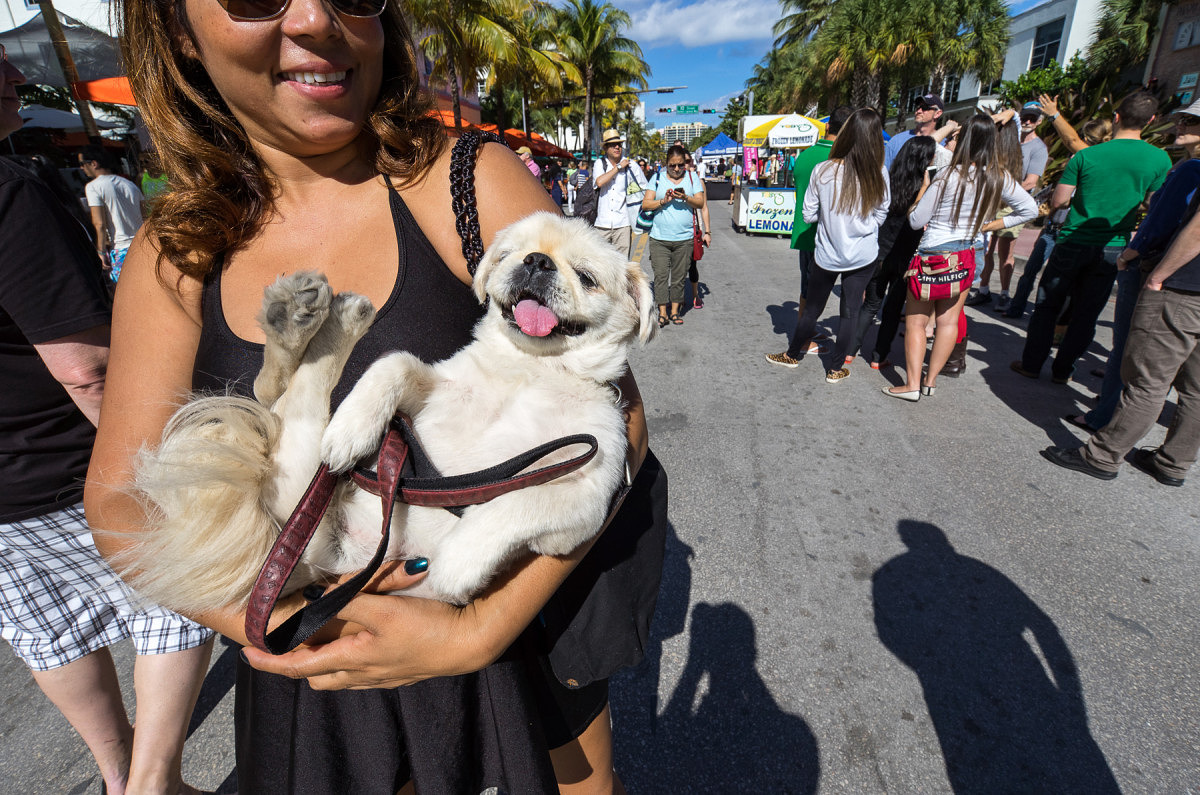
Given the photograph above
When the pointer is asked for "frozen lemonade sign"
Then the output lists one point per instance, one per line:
(771, 212)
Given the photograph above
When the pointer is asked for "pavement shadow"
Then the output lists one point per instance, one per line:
(1000, 683)
(721, 730)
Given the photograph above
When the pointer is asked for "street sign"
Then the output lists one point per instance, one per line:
(687, 108)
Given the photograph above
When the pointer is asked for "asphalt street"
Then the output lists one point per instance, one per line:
(860, 595)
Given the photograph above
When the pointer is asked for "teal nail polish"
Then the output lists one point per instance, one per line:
(416, 565)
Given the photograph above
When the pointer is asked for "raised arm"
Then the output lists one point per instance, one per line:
(1061, 126)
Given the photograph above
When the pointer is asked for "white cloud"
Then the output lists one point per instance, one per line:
(698, 24)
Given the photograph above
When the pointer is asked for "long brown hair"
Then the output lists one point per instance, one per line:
(1008, 151)
(219, 195)
(975, 161)
(859, 147)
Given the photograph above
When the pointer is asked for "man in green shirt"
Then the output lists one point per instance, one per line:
(1104, 185)
(804, 236)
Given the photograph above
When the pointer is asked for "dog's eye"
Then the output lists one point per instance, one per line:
(586, 280)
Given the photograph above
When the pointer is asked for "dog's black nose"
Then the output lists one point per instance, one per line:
(537, 261)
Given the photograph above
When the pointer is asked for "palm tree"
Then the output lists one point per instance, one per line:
(459, 37)
(805, 18)
(861, 40)
(590, 38)
(537, 65)
(1123, 34)
(973, 38)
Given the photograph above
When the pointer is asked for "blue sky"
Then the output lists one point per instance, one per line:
(710, 46)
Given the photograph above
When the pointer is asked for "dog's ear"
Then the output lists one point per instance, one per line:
(643, 298)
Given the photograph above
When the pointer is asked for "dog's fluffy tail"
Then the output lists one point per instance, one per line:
(208, 532)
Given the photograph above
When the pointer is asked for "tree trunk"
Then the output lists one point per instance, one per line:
(937, 80)
(860, 89)
(453, 80)
(587, 113)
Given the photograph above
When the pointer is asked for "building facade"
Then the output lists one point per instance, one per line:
(686, 132)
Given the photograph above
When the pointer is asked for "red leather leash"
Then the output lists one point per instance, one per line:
(404, 473)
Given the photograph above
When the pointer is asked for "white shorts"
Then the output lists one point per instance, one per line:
(59, 600)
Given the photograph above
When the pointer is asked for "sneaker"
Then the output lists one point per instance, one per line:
(697, 303)
(782, 359)
(1017, 367)
(1072, 458)
(1003, 304)
(979, 299)
(1143, 459)
(835, 376)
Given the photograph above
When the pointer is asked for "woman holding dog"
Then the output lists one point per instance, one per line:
(953, 209)
(296, 137)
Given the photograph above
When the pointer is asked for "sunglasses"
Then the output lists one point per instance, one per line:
(262, 10)
(676, 165)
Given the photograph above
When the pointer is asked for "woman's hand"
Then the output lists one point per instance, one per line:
(1049, 105)
(402, 641)
(992, 226)
(707, 238)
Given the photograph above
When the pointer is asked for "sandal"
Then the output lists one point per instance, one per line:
(1079, 421)
(676, 319)
(663, 321)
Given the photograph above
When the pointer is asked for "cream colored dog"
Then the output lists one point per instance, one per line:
(563, 307)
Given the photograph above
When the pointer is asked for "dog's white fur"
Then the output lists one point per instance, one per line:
(230, 470)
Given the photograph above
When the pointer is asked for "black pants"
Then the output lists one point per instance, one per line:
(1086, 275)
(887, 288)
(820, 285)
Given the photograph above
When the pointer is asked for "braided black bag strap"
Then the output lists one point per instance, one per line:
(462, 192)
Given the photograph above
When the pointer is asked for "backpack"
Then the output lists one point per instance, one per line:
(587, 202)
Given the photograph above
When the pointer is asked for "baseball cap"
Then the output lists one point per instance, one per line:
(932, 101)
(1031, 110)
(524, 150)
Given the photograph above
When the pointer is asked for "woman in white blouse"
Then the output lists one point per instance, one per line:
(953, 209)
(847, 198)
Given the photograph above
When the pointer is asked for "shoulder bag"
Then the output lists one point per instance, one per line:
(934, 277)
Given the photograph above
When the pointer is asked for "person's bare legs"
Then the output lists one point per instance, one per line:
(945, 336)
(167, 686)
(585, 765)
(1005, 247)
(88, 695)
(916, 317)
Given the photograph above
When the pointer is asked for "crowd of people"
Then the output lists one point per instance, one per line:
(916, 227)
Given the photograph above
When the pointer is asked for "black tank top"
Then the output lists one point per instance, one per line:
(430, 313)
(454, 734)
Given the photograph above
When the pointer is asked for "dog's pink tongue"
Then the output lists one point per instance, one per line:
(533, 318)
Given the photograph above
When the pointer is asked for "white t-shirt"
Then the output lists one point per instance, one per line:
(611, 212)
(844, 242)
(123, 200)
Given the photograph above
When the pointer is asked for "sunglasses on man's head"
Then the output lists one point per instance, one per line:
(262, 10)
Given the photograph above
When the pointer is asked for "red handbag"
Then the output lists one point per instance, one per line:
(938, 276)
(697, 239)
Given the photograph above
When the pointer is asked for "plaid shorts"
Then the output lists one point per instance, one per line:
(59, 600)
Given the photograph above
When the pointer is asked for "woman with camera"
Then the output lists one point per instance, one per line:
(673, 195)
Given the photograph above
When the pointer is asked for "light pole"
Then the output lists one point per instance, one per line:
(65, 62)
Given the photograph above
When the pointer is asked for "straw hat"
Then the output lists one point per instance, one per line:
(612, 137)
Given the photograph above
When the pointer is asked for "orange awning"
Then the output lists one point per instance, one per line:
(109, 89)
(515, 138)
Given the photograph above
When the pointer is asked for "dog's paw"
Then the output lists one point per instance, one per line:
(348, 440)
(295, 306)
(354, 313)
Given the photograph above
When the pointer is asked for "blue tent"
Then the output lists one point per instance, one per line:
(721, 146)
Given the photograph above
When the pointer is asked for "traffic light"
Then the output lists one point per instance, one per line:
(666, 110)
(709, 110)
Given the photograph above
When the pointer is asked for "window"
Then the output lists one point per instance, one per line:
(1188, 35)
(1045, 44)
(988, 89)
(951, 88)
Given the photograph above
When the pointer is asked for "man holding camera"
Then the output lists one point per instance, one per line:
(619, 187)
